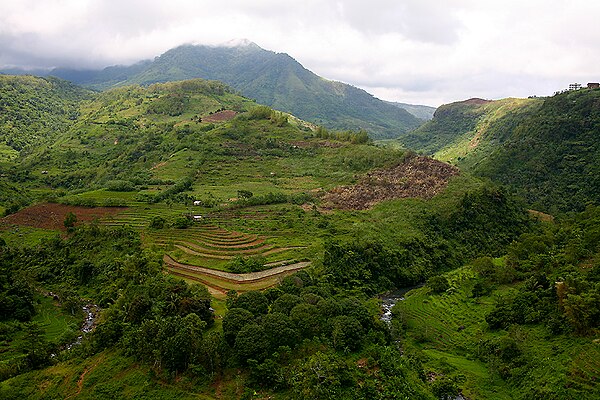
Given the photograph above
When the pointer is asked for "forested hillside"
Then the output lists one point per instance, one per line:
(545, 149)
(274, 79)
(33, 109)
(520, 326)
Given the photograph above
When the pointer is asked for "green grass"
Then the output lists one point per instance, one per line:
(25, 236)
(53, 320)
(107, 375)
(101, 195)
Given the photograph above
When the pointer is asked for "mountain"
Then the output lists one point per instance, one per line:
(419, 111)
(274, 79)
(547, 149)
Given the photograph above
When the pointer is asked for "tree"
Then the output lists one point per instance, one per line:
(253, 301)
(285, 303)
(70, 220)
(444, 388)
(251, 342)
(307, 320)
(234, 321)
(35, 347)
(582, 311)
(322, 376)
(157, 222)
(181, 222)
(232, 295)
(279, 331)
(347, 333)
(244, 194)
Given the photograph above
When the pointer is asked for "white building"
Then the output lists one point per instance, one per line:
(574, 86)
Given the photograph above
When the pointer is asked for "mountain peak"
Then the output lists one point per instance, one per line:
(239, 42)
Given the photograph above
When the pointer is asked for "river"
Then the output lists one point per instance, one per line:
(389, 300)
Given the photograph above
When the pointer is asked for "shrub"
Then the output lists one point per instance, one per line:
(438, 284)
(181, 222)
(157, 222)
(120, 186)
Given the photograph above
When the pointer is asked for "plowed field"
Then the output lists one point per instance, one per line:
(52, 216)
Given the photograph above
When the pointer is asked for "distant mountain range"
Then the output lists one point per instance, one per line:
(419, 111)
(274, 79)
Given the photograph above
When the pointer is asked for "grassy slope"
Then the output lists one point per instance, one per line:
(458, 129)
(151, 137)
(448, 328)
(107, 375)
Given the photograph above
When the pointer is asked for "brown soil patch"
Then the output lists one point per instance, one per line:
(475, 101)
(160, 164)
(416, 177)
(541, 216)
(220, 116)
(52, 216)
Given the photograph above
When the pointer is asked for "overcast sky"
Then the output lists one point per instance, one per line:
(416, 51)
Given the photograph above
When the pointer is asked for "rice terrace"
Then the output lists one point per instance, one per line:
(206, 249)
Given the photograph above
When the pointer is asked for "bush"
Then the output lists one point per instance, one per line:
(438, 284)
(70, 220)
(157, 222)
(181, 222)
(120, 186)
(241, 265)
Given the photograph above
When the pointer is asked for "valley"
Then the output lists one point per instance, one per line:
(235, 249)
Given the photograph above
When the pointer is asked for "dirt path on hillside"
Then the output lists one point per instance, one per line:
(238, 278)
(82, 377)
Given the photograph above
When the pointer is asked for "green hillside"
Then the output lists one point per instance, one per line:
(461, 127)
(158, 149)
(33, 109)
(225, 250)
(546, 149)
(274, 79)
(521, 326)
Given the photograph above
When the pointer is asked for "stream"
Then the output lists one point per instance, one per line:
(390, 299)
(91, 312)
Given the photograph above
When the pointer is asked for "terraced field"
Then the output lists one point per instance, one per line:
(219, 282)
(584, 372)
(448, 328)
(203, 251)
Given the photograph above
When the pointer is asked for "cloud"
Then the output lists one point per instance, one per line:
(423, 51)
